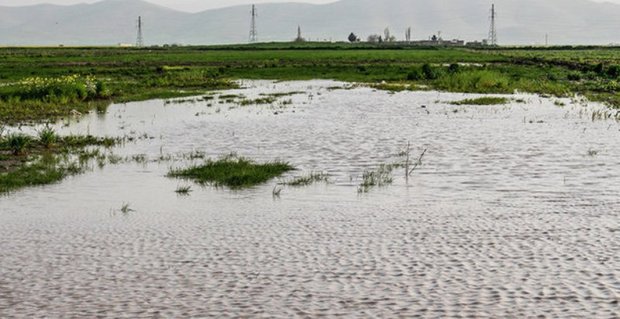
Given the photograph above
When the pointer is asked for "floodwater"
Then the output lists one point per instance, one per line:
(515, 212)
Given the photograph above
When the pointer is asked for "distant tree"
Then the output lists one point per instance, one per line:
(374, 38)
(408, 35)
(353, 37)
(387, 36)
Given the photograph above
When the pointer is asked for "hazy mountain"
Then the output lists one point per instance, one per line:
(114, 21)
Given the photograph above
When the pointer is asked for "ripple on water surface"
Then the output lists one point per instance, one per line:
(511, 214)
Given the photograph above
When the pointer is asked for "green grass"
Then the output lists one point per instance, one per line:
(233, 172)
(46, 83)
(487, 100)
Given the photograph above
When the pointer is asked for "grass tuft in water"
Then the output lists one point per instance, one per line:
(125, 209)
(258, 101)
(18, 142)
(233, 172)
(378, 178)
(48, 137)
(183, 190)
(308, 180)
(487, 100)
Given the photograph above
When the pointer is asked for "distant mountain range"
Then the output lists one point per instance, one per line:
(111, 22)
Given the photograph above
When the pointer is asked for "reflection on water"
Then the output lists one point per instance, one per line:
(513, 214)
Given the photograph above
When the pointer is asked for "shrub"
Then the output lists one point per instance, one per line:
(599, 69)
(454, 68)
(429, 72)
(415, 75)
(574, 76)
(480, 81)
(613, 71)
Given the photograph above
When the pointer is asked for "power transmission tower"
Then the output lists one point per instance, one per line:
(140, 38)
(299, 37)
(493, 29)
(547, 39)
(253, 30)
(408, 35)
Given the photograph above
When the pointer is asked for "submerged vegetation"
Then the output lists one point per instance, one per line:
(487, 100)
(45, 170)
(233, 172)
(380, 177)
(308, 180)
(32, 161)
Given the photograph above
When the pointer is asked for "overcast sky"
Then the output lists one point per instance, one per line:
(186, 5)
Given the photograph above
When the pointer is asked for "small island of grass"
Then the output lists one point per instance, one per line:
(233, 172)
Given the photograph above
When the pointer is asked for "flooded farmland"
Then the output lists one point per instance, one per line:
(513, 212)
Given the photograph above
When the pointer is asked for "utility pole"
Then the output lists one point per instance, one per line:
(493, 28)
(253, 30)
(140, 38)
(408, 35)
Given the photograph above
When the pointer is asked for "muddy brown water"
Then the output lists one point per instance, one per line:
(514, 213)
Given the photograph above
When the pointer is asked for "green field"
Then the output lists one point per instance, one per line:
(138, 74)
